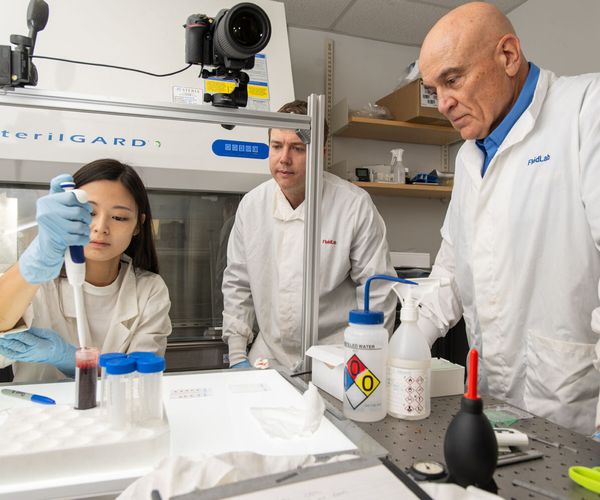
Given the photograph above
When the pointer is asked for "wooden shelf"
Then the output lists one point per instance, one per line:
(344, 125)
(408, 190)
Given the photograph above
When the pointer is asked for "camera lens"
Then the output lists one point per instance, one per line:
(243, 31)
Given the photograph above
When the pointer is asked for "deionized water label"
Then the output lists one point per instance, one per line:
(408, 392)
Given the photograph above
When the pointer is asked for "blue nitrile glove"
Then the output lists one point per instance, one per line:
(241, 364)
(62, 222)
(40, 345)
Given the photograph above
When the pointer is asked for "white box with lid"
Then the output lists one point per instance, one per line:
(447, 378)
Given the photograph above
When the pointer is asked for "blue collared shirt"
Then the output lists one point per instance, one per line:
(489, 146)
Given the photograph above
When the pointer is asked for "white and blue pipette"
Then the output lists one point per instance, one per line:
(75, 267)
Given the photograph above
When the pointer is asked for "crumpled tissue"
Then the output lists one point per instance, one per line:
(179, 475)
(291, 422)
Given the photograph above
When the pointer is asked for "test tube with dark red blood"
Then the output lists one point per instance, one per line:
(86, 377)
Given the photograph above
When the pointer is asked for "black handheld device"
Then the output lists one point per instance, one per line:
(16, 68)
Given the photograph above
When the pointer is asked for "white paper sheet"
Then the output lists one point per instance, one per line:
(374, 482)
(221, 421)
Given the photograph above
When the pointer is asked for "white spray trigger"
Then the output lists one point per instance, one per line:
(412, 296)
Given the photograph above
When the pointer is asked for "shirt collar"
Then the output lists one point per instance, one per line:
(282, 209)
(491, 143)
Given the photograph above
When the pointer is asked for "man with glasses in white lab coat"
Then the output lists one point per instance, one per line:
(521, 238)
(263, 278)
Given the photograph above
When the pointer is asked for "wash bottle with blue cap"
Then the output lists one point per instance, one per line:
(365, 361)
(409, 359)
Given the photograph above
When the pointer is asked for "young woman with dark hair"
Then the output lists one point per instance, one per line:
(126, 301)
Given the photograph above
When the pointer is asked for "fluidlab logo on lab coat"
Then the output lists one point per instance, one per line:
(63, 137)
(538, 159)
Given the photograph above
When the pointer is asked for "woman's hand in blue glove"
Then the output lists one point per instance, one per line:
(39, 345)
(241, 364)
(62, 222)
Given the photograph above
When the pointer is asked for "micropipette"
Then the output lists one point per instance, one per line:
(75, 267)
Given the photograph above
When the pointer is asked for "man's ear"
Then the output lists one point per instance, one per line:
(509, 52)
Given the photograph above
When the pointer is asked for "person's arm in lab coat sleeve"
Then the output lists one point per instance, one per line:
(435, 322)
(154, 325)
(589, 130)
(370, 255)
(238, 306)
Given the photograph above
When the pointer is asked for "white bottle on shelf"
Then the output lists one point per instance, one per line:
(397, 166)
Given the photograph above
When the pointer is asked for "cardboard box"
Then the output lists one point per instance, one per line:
(413, 103)
(447, 379)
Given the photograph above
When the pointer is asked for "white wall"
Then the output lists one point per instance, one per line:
(364, 71)
(562, 36)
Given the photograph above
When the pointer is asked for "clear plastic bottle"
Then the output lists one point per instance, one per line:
(409, 367)
(119, 396)
(365, 346)
(150, 371)
(397, 166)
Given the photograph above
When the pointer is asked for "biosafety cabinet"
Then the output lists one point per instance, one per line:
(195, 172)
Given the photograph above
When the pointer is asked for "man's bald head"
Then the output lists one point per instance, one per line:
(472, 58)
(470, 28)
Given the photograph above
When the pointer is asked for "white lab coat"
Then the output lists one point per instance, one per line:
(140, 321)
(522, 246)
(263, 278)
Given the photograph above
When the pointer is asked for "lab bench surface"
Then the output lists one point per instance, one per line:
(408, 441)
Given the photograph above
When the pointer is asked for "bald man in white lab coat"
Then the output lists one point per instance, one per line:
(521, 239)
(263, 278)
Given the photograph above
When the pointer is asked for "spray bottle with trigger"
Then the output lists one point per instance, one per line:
(86, 358)
(365, 359)
(409, 359)
(397, 166)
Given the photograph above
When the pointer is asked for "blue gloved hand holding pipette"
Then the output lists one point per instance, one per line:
(39, 345)
(63, 221)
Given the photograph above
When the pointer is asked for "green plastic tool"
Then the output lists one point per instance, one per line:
(588, 477)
